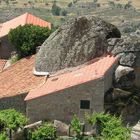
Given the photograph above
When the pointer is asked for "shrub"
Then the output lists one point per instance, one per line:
(95, 1)
(128, 29)
(45, 132)
(12, 119)
(55, 9)
(14, 58)
(3, 136)
(111, 127)
(26, 38)
(76, 126)
(64, 12)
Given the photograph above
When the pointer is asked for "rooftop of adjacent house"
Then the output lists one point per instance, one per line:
(19, 78)
(94, 70)
(2, 64)
(22, 20)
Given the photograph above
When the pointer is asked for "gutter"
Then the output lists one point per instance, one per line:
(37, 73)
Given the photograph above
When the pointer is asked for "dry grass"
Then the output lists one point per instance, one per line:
(64, 3)
(43, 11)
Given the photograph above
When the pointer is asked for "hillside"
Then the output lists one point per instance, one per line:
(122, 13)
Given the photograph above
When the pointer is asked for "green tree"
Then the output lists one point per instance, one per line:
(12, 119)
(56, 10)
(45, 132)
(110, 127)
(26, 38)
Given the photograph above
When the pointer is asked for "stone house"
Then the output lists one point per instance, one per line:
(6, 47)
(73, 91)
(15, 82)
(77, 91)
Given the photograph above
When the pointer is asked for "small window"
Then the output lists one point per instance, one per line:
(84, 104)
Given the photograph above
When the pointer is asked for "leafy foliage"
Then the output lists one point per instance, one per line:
(111, 127)
(76, 126)
(12, 119)
(3, 136)
(44, 132)
(26, 38)
(55, 9)
(14, 58)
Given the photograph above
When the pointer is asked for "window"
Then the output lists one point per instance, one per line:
(84, 104)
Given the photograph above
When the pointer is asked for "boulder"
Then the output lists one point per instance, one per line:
(119, 94)
(74, 43)
(61, 128)
(127, 49)
(128, 59)
(90, 133)
(124, 77)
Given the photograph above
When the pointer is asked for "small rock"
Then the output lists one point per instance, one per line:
(90, 133)
(62, 128)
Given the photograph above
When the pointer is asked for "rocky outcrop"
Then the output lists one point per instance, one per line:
(127, 49)
(75, 42)
(124, 77)
(120, 94)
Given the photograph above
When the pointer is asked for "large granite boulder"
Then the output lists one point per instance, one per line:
(74, 43)
(127, 48)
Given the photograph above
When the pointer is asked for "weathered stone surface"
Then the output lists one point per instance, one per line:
(62, 128)
(128, 59)
(119, 93)
(75, 42)
(124, 77)
(90, 133)
(127, 48)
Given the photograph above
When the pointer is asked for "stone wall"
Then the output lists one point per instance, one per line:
(108, 77)
(62, 105)
(16, 102)
(5, 48)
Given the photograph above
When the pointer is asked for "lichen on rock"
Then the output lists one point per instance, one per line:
(74, 43)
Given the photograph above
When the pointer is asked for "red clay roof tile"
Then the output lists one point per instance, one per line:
(19, 78)
(22, 20)
(84, 74)
(2, 64)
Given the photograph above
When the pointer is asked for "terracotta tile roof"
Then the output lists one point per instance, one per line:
(84, 74)
(2, 64)
(19, 78)
(22, 20)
